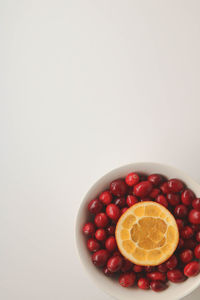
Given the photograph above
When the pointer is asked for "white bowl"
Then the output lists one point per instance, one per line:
(111, 286)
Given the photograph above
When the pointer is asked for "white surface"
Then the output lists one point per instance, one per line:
(86, 86)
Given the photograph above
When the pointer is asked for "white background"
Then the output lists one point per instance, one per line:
(86, 86)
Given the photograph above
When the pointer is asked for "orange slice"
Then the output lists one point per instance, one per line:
(147, 234)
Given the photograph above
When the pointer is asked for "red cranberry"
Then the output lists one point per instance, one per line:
(187, 232)
(162, 268)
(120, 202)
(197, 251)
(100, 234)
(195, 227)
(137, 268)
(131, 200)
(196, 203)
(105, 197)
(187, 196)
(101, 220)
(173, 199)
(175, 276)
(111, 230)
(155, 179)
(157, 276)
(172, 262)
(180, 243)
(161, 199)
(192, 269)
(180, 211)
(116, 253)
(118, 187)
(175, 185)
(145, 199)
(93, 245)
(114, 263)
(143, 283)
(186, 256)
(100, 258)
(180, 224)
(95, 206)
(142, 189)
(126, 266)
(132, 178)
(198, 237)
(89, 229)
(189, 244)
(154, 193)
(111, 244)
(123, 210)
(158, 286)
(113, 212)
(107, 272)
(164, 188)
(149, 269)
(194, 216)
(127, 279)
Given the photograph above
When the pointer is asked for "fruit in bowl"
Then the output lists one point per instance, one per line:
(142, 229)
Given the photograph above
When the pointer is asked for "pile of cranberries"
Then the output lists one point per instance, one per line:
(105, 211)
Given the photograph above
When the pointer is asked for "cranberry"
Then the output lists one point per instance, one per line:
(154, 193)
(89, 229)
(100, 258)
(137, 268)
(100, 234)
(195, 227)
(198, 237)
(114, 263)
(111, 244)
(161, 199)
(187, 232)
(107, 272)
(105, 197)
(116, 253)
(123, 210)
(110, 230)
(95, 206)
(180, 243)
(118, 187)
(145, 199)
(162, 268)
(126, 266)
(175, 276)
(196, 203)
(120, 202)
(155, 179)
(186, 256)
(142, 189)
(192, 269)
(180, 224)
(187, 196)
(113, 212)
(143, 283)
(101, 220)
(194, 216)
(175, 185)
(172, 262)
(180, 211)
(127, 279)
(131, 200)
(132, 178)
(93, 245)
(158, 286)
(149, 269)
(189, 244)
(197, 251)
(164, 188)
(173, 199)
(157, 276)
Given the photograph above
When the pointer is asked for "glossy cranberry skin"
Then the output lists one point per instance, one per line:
(132, 178)
(194, 216)
(192, 269)
(118, 187)
(161, 199)
(180, 224)
(126, 266)
(180, 243)
(101, 220)
(127, 279)
(162, 268)
(143, 283)
(172, 262)
(180, 211)
(111, 244)
(195, 227)
(143, 188)
(189, 244)
(149, 269)
(186, 256)
(157, 276)
(158, 286)
(187, 196)
(107, 272)
(173, 199)
(105, 197)
(187, 232)
(155, 179)
(100, 258)
(175, 276)
(196, 203)
(110, 230)
(113, 212)
(175, 185)
(197, 251)
(198, 236)
(114, 263)
(89, 229)
(95, 206)
(154, 193)
(164, 188)
(100, 234)
(131, 200)
(93, 245)
(123, 210)
(137, 268)
(116, 253)
(120, 202)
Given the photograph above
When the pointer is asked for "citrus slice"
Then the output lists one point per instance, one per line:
(147, 234)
